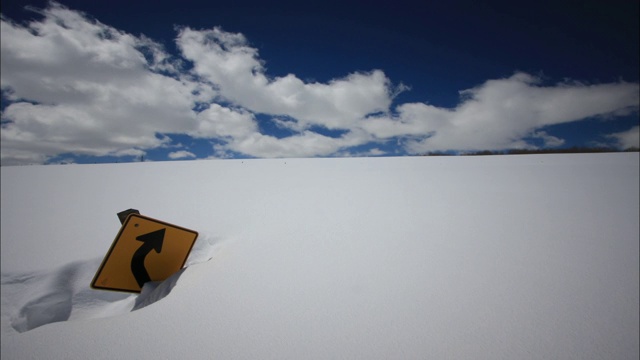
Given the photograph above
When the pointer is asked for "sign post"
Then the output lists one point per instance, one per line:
(145, 249)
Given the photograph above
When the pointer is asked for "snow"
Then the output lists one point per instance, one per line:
(493, 257)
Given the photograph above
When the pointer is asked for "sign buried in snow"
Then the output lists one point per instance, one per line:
(144, 250)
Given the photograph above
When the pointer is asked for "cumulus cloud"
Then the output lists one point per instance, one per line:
(79, 86)
(226, 59)
(219, 121)
(500, 114)
(74, 85)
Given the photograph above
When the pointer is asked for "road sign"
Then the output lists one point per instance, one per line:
(144, 250)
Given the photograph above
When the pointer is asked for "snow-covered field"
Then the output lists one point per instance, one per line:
(495, 257)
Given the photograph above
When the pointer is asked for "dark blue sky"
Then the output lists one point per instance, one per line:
(436, 48)
(595, 41)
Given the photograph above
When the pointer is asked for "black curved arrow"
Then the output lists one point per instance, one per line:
(150, 241)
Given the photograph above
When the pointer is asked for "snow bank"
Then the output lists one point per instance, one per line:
(448, 257)
(39, 298)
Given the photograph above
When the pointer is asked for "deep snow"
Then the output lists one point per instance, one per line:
(496, 257)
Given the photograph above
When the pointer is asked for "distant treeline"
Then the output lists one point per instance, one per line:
(571, 150)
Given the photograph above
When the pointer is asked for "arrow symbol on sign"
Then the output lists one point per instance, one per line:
(150, 241)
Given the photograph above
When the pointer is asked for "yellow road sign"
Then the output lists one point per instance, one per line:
(144, 250)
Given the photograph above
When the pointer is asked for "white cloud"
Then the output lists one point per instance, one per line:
(499, 114)
(182, 154)
(628, 139)
(219, 121)
(367, 153)
(548, 140)
(90, 89)
(129, 152)
(78, 86)
(413, 119)
(227, 60)
(306, 144)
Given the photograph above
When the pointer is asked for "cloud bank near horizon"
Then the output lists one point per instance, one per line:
(73, 85)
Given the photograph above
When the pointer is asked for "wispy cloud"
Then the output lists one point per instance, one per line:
(502, 113)
(76, 86)
(628, 139)
(182, 154)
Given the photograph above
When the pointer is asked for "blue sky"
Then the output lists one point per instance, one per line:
(114, 81)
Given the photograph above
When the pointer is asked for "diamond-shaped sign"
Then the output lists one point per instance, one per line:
(144, 250)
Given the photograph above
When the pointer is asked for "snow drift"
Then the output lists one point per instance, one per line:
(532, 256)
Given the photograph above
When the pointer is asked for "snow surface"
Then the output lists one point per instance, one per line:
(493, 257)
